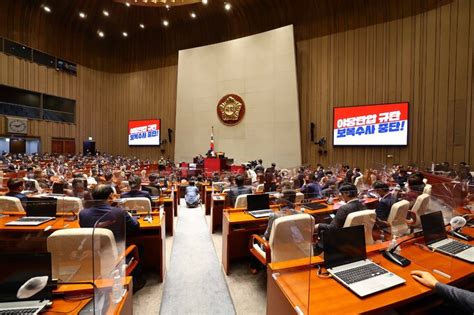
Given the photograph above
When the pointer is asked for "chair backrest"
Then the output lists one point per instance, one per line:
(420, 207)
(82, 254)
(427, 189)
(35, 183)
(241, 201)
(137, 203)
(260, 188)
(299, 197)
(67, 204)
(365, 218)
(291, 237)
(10, 204)
(397, 217)
(359, 183)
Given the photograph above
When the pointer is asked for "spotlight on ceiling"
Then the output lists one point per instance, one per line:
(82, 15)
(101, 34)
(167, 7)
(227, 6)
(166, 23)
(204, 1)
(105, 13)
(124, 34)
(47, 9)
(193, 15)
(127, 4)
(142, 25)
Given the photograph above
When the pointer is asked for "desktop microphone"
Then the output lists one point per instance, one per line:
(32, 287)
(457, 224)
(395, 258)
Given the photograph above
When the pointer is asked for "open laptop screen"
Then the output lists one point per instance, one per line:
(41, 207)
(18, 268)
(258, 202)
(58, 188)
(344, 246)
(433, 227)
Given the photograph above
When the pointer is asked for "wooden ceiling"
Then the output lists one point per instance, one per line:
(63, 33)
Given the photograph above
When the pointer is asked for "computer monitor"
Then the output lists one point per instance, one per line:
(18, 268)
(258, 202)
(41, 207)
(58, 188)
(344, 245)
(433, 227)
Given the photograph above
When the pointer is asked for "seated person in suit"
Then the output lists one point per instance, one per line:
(311, 189)
(192, 196)
(154, 186)
(386, 200)
(15, 187)
(135, 183)
(238, 190)
(78, 190)
(102, 209)
(415, 187)
(286, 202)
(352, 204)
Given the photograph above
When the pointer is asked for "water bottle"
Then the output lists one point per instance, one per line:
(382, 236)
(393, 243)
(117, 287)
(330, 200)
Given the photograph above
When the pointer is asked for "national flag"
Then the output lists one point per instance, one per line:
(212, 140)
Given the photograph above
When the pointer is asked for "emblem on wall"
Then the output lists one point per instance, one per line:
(231, 109)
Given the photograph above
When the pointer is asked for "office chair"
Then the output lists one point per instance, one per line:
(137, 203)
(67, 204)
(397, 218)
(291, 238)
(418, 209)
(10, 204)
(86, 254)
(299, 197)
(365, 218)
(241, 201)
(260, 188)
(359, 183)
(428, 188)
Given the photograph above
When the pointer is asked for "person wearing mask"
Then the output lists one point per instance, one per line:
(154, 185)
(251, 174)
(311, 189)
(415, 188)
(238, 190)
(15, 187)
(135, 183)
(463, 300)
(386, 200)
(78, 189)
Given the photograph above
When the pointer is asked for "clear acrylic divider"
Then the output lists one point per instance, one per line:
(110, 263)
(288, 246)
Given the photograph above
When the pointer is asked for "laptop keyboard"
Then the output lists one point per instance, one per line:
(33, 219)
(360, 273)
(19, 311)
(454, 247)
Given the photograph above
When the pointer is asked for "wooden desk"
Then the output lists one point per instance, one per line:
(151, 237)
(217, 208)
(168, 204)
(65, 305)
(207, 199)
(301, 287)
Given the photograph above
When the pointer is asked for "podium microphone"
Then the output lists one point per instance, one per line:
(394, 257)
(457, 224)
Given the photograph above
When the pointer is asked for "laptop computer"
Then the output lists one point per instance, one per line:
(17, 270)
(258, 206)
(38, 211)
(314, 206)
(436, 238)
(58, 189)
(346, 260)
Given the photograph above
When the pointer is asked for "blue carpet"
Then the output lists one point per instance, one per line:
(194, 281)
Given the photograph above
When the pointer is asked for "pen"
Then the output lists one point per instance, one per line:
(442, 273)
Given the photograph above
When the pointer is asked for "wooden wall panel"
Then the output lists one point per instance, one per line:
(424, 58)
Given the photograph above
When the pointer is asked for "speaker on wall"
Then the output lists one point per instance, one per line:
(170, 135)
(312, 126)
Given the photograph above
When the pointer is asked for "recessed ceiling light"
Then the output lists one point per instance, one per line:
(106, 13)
(204, 1)
(82, 15)
(142, 25)
(47, 9)
(166, 23)
(124, 34)
(167, 6)
(227, 6)
(127, 4)
(193, 15)
(100, 33)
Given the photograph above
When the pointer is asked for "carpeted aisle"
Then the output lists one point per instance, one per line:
(194, 281)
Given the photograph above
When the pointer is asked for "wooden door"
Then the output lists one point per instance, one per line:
(57, 146)
(69, 147)
(17, 146)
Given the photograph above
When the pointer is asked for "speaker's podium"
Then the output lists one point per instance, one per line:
(218, 163)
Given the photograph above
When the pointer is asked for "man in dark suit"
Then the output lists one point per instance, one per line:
(386, 200)
(311, 189)
(102, 210)
(238, 190)
(135, 183)
(154, 186)
(15, 187)
(349, 196)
